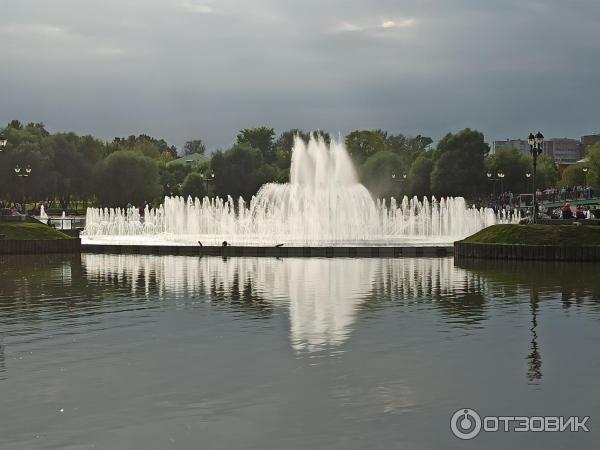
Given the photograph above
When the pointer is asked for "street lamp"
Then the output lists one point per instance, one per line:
(501, 176)
(535, 148)
(585, 171)
(22, 173)
(207, 178)
(489, 176)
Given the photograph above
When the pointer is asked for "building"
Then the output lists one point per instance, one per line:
(564, 150)
(194, 160)
(589, 139)
(519, 144)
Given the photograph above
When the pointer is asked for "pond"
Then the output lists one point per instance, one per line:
(156, 352)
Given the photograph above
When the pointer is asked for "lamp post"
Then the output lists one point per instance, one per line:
(585, 171)
(490, 176)
(501, 176)
(208, 178)
(22, 173)
(535, 148)
(399, 179)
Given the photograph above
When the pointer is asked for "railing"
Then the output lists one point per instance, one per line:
(65, 223)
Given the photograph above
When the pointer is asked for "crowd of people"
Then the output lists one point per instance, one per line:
(14, 210)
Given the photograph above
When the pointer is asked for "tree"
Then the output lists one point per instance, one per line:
(127, 177)
(573, 176)
(513, 164)
(194, 146)
(459, 169)
(419, 177)
(376, 175)
(147, 145)
(194, 185)
(547, 173)
(260, 138)
(236, 171)
(593, 156)
(363, 143)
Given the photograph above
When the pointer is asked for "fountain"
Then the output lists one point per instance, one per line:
(323, 205)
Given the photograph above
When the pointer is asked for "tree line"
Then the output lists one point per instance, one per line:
(69, 169)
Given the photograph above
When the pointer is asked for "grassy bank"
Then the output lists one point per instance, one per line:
(29, 230)
(567, 235)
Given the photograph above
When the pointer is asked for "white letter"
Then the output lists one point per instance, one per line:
(551, 423)
(494, 426)
(523, 424)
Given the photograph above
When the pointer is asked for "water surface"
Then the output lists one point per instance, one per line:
(155, 352)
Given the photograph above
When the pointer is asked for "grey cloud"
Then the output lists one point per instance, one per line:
(185, 68)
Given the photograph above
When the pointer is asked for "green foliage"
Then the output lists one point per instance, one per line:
(573, 176)
(237, 171)
(376, 175)
(362, 143)
(459, 169)
(147, 145)
(127, 177)
(194, 146)
(194, 185)
(30, 231)
(547, 173)
(261, 138)
(419, 177)
(567, 235)
(514, 165)
(172, 177)
(593, 157)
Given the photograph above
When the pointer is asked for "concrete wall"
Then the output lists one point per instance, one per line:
(526, 252)
(329, 252)
(34, 247)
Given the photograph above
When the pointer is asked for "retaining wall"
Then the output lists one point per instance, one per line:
(328, 252)
(33, 247)
(526, 252)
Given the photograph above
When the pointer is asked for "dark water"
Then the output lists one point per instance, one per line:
(144, 352)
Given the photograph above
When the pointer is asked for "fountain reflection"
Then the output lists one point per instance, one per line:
(324, 296)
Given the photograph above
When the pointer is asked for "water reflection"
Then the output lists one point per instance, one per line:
(575, 284)
(324, 296)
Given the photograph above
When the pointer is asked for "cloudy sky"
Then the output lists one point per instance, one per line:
(181, 69)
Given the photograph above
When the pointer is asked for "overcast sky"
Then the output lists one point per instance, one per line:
(182, 69)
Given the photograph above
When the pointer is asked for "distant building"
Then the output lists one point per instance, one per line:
(519, 144)
(564, 150)
(195, 159)
(589, 139)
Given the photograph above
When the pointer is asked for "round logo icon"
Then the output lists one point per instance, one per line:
(465, 423)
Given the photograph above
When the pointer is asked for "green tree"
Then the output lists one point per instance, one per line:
(419, 177)
(514, 165)
(459, 169)
(573, 176)
(236, 171)
(593, 157)
(376, 175)
(194, 146)
(547, 174)
(260, 138)
(362, 144)
(194, 185)
(127, 177)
